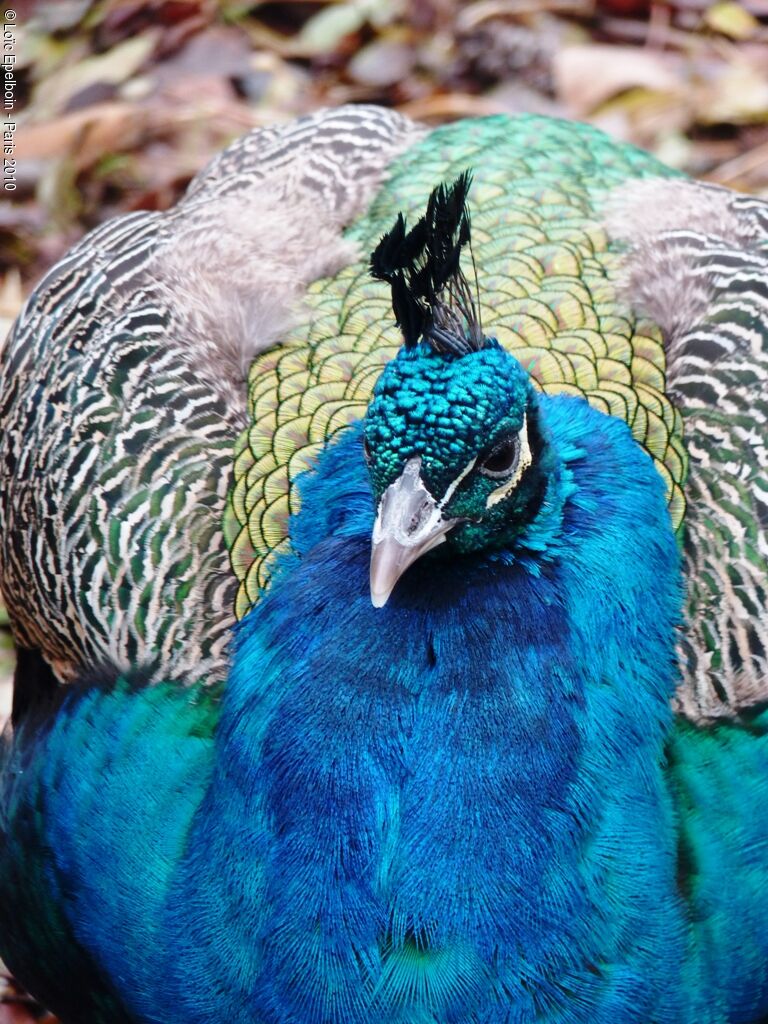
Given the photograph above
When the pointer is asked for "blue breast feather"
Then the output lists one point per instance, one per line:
(456, 808)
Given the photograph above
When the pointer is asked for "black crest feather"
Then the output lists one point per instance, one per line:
(431, 298)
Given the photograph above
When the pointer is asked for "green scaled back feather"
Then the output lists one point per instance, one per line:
(547, 280)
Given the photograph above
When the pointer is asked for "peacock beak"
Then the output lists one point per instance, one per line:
(409, 523)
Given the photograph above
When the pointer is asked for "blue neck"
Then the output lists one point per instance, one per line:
(429, 773)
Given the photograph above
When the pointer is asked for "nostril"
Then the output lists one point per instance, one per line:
(419, 516)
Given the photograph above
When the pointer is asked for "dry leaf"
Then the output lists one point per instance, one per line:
(326, 29)
(219, 50)
(732, 20)
(382, 63)
(102, 128)
(736, 94)
(588, 76)
(111, 68)
(11, 298)
(18, 1013)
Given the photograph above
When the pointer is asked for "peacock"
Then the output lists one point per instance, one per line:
(384, 530)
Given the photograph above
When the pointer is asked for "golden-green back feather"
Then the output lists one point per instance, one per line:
(549, 287)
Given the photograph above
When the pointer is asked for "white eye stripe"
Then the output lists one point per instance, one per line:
(524, 461)
(452, 488)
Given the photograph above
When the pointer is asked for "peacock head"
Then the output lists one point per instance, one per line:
(451, 436)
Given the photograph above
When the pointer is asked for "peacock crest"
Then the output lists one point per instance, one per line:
(431, 297)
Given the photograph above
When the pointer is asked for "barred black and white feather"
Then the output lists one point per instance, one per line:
(122, 394)
(698, 266)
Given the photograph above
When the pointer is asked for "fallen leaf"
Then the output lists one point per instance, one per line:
(15, 1006)
(450, 107)
(382, 63)
(11, 298)
(743, 171)
(275, 83)
(12, 1013)
(7, 666)
(587, 76)
(326, 29)
(220, 50)
(643, 117)
(53, 93)
(61, 15)
(15, 1013)
(736, 94)
(732, 20)
(98, 129)
(625, 8)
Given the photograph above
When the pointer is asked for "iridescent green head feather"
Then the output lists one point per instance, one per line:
(450, 412)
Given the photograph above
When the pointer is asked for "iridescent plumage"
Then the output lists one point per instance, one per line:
(528, 780)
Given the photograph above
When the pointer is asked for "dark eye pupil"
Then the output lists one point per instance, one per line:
(366, 449)
(502, 459)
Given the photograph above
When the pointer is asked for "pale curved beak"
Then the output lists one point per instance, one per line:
(409, 523)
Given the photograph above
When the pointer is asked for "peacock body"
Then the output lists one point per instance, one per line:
(513, 765)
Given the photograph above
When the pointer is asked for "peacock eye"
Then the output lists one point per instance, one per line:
(366, 449)
(502, 460)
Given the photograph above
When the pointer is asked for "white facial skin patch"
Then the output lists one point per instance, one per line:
(452, 489)
(523, 463)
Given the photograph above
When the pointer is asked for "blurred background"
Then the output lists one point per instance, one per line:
(117, 103)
